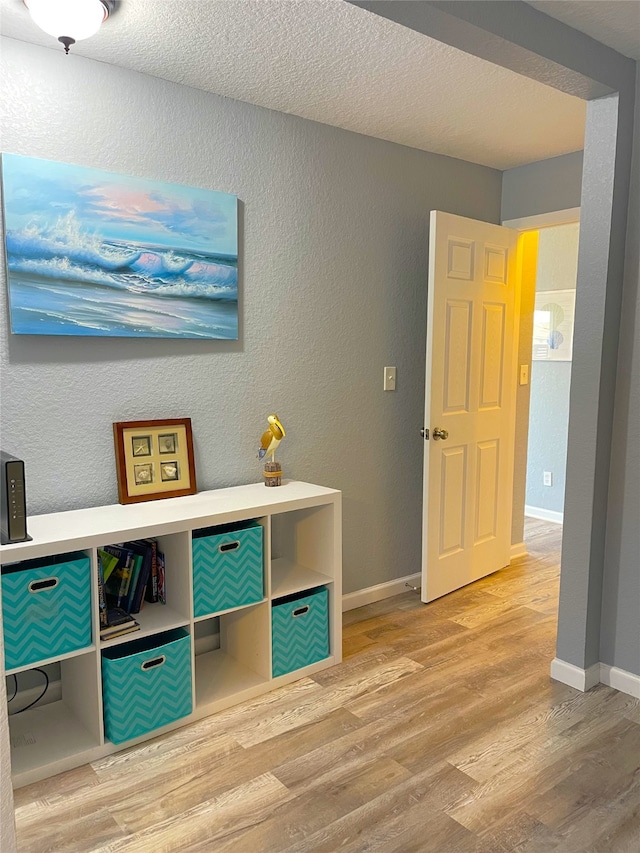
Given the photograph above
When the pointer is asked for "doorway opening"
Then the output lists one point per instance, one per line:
(546, 330)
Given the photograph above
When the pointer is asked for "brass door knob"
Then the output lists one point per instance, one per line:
(440, 433)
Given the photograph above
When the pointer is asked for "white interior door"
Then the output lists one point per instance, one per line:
(469, 402)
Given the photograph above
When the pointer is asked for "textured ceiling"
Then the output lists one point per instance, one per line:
(615, 23)
(332, 62)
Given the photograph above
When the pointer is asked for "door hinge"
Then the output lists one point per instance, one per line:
(424, 432)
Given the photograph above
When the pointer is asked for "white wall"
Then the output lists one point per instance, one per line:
(333, 287)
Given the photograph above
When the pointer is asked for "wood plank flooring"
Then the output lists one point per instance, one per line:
(441, 732)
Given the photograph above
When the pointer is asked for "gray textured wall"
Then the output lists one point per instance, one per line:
(542, 187)
(620, 621)
(551, 381)
(333, 280)
(548, 425)
(601, 263)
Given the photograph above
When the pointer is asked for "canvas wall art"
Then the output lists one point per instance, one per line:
(91, 252)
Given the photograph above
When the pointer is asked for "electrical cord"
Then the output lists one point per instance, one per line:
(35, 701)
(15, 686)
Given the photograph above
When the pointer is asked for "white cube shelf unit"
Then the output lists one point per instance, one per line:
(231, 651)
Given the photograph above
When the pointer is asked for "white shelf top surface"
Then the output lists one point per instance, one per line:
(46, 661)
(288, 577)
(94, 526)
(153, 619)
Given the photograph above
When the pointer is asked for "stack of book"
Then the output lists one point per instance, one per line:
(128, 575)
(118, 622)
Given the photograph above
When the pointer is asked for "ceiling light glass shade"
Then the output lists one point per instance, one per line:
(75, 19)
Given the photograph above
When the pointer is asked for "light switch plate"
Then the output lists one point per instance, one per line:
(389, 379)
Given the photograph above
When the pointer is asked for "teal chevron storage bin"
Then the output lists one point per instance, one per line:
(46, 608)
(227, 567)
(146, 684)
(299, 630)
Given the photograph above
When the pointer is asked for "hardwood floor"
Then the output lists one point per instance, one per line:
(441, 732)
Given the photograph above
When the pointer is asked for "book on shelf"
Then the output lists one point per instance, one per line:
(143, 551)
(113, 631)
(136, 569)
(102, 596)
(118, 616)
(118, 622)
(151, 591)
(109, 563)
(117, 586)
(134, 574)
(162, 592)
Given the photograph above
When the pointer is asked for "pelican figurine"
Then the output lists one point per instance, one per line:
(271, 439)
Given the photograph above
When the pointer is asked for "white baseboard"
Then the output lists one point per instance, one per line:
(518, 550)
(620, 679)
(378, 592)
(568, 673)
(599, 673)
(544, 514)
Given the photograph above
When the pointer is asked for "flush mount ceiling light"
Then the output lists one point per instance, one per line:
(69, 20)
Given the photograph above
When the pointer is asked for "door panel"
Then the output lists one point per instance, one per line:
(492, 354)
(457, 356)
(487, 454)
(453, 488)
(461, 257)
(470, 393)
(496, 264)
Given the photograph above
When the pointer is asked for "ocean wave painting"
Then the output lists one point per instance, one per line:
(91, 252)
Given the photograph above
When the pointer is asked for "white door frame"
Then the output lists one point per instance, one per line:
(544, 220)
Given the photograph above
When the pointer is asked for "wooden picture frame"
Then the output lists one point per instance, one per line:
(154, 459)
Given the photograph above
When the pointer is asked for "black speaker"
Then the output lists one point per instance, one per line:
(13, 500)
